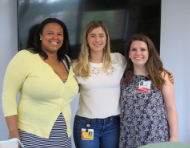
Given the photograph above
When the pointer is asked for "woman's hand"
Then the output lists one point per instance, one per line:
(170, 76)
(14, 134)
(13, 128)
(121, 81)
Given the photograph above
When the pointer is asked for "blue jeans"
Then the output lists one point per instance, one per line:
(106, 132)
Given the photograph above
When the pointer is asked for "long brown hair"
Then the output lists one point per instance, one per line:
(82, 67)
(154, 64)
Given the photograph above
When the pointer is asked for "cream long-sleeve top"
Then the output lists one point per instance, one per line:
(43, 95)
(100, 92)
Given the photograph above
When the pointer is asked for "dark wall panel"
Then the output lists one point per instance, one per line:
(122, 18)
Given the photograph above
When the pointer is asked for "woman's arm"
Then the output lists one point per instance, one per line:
(15, 76)
(169, 99)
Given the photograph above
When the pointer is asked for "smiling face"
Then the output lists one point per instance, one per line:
(138, 53)
(52, 37)
(96, 40)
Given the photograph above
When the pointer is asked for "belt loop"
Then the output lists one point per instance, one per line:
(111, 118)
(108, 119)
(93, 120)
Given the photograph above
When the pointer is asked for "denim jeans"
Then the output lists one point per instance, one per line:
(106, 132)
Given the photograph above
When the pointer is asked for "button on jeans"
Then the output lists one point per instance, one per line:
(106, 132)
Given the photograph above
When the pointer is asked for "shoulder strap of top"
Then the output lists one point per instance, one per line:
(65, 66)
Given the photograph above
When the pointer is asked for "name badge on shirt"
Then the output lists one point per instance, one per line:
(144, 85)
(87, 134)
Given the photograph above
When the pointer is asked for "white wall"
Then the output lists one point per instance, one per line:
(175, 52)
(8, 48)
(175, 28)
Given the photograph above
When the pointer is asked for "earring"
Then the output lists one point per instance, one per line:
(40, 39)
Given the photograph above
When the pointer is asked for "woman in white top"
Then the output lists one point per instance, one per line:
(98, 73)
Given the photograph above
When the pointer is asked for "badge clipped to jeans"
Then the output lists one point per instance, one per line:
(144, 85)
(11, 143)
(87, 134)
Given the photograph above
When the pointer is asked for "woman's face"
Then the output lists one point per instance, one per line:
(139, 53)
(52, 37)
(96, 40)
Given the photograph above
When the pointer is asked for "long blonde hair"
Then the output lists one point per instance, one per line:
(82, 67)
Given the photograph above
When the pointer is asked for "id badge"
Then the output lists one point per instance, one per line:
(144, 85)
(87, 134)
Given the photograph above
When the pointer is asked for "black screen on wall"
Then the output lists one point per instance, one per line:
(122, 18)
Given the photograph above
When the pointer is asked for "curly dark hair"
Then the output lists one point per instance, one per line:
(63, 50)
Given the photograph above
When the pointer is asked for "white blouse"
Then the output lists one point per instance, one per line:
(100, 92)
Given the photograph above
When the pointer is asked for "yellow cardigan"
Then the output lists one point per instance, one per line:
(43, 95)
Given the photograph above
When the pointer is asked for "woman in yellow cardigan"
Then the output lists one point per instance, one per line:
(47, 85)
